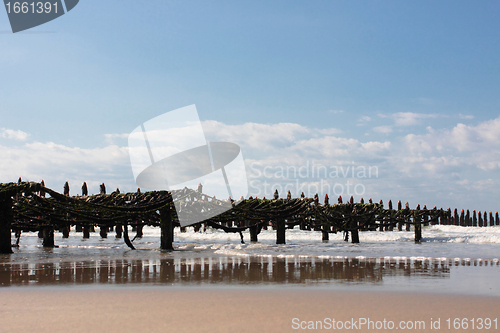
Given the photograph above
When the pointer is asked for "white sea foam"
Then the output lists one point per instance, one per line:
(441, 242)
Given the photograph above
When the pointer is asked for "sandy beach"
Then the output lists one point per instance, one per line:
(233, 310)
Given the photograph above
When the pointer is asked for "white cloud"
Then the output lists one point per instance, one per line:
(14, 135)
(410, 118)
(465, 116)
(363, 120)
(383, 129)
(337, 111)
(440, 167)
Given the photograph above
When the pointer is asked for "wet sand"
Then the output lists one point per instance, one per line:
(227, 309)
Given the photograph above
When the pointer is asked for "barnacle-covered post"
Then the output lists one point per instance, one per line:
(6, 220)
(167, 229)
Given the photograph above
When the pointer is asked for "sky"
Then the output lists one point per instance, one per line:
(408, 90)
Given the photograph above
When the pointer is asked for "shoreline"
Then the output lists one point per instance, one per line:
(187, 309)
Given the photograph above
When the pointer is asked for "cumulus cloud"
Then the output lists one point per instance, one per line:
(452, 166)
(56, 163)
(13, 134)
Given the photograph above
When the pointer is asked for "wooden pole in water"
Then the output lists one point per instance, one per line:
(400, 224)
(119, 231)
(485, 222)
(417, 225)
(474, 218)
(254, 231)
(425, 216)
(6, 220)
(280, 231)
(354, 226)
(325, 230)
(479, 219)
(86, 231)
(167, 229)
(497, 220)
(65, 228)
(48, 236)
(391, 227)
(103, 231)
(407, 209)
(383, 221)
(492, 221)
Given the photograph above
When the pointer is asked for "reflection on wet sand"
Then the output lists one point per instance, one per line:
(220, 270)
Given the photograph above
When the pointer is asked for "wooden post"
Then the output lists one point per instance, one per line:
(280, 231)
(381, 228)
(138, 230)
(391, 227)
(325, 232)
(485, 222)
(474, 218)
(354, 226)
(253, 233)
(65, 231)
(479, 219)
(462, 218)
(407, 219)
(425, 217)
(119, 231)
(48, 236)
(167, 229)
(497, 220)
(492, 221)
(103, 231)
(467, 219)
(417, 225)
(86, 231)
(5, 224)
(400, 224)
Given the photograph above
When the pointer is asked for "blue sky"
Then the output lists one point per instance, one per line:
(411, 87)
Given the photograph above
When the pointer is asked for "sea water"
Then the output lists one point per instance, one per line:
(448, 259)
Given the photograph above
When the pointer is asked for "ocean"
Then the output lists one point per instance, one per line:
(450, 259)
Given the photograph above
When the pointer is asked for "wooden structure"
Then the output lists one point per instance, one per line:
(30, 206)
